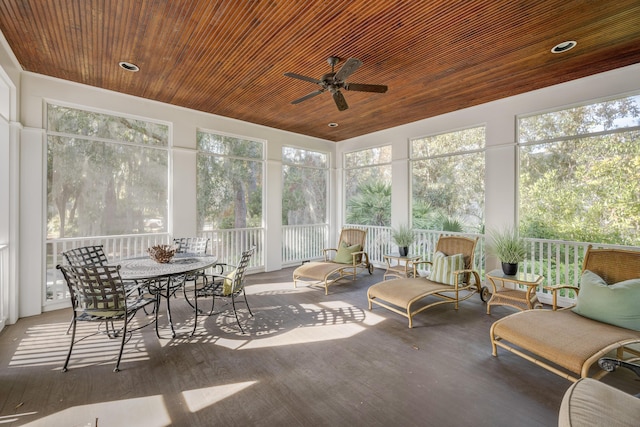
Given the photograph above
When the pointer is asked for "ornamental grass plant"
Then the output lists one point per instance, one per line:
(403, 236)
(507, 245)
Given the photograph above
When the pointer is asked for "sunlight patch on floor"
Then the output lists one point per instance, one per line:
(371, 318)
(305, 335)
(230, 344)
(46, 345)
(142, 411)
(277, 288)
(203, 397)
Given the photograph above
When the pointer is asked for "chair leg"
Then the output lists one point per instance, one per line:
(213, 304)
(233, 303)
(247, 302)
(157, 309)
(195, 299)
(73, 338)
(124, 338)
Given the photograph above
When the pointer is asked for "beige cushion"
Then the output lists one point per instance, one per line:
(591, 403)
(317, 270)
(403, 292)
(562, 337)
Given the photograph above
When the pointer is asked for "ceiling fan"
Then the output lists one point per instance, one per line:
(335, 81)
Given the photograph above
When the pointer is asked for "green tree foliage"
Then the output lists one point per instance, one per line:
(581, 181)
(448, 181)
(105, 174)
(371, 205)
(229, 182)
(368, 186)
(304, 187)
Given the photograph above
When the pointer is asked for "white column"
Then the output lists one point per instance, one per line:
(32, 208)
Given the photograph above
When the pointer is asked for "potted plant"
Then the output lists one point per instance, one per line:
(403, 236)
(509, 247)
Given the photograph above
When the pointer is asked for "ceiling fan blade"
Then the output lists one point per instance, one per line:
(347, 69)
(301, 77)
(365, 88)
(341, 103)
(310, 95)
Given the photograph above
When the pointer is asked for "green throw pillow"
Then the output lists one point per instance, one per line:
(343, 256)
(443, 267)
(617, 304)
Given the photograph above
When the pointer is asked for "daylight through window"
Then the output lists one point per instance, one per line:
(580, 173)
(448, 181)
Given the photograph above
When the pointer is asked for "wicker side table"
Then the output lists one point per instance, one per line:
(521, 299)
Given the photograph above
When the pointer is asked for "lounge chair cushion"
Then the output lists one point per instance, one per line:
(343, 256)
(596, 300)
(589, 402)
(562, 336)
(444, 266)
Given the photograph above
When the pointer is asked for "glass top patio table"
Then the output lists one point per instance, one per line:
(145, 268)
(163, 279)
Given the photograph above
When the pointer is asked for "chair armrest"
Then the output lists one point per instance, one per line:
(554, 293)
(476, 277)
(326, 252)
(354, 256)
(415, 266)
(221, 270)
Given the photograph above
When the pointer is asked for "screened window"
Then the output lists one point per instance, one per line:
(448, 181)
(580, 173)
(229, 181)
(367, 178)
(305, 176)
(106, 174)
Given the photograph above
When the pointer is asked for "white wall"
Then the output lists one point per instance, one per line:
(500, 120)
(9, 183)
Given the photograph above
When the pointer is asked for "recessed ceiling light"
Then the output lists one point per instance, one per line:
(564, 46)
(128, 66)
(333, 125)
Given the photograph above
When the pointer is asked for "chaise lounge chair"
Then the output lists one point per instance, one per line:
(345, 261)
(567, 343)
(452, 279)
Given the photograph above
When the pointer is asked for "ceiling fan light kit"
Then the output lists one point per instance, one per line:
(333, 82)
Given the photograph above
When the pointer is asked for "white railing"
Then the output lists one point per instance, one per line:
(379, 243)
(4, 285)
(228, 245)
(303, 242)
(560, 262)
(115, 247)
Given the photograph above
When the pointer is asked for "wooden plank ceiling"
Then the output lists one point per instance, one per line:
(228, 57)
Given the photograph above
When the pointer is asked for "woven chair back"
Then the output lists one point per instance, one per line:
(192, 245)
(613, 265)
(451, 245)
(86, 255)
(238, 278)
(97, 289)
(353, 236)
